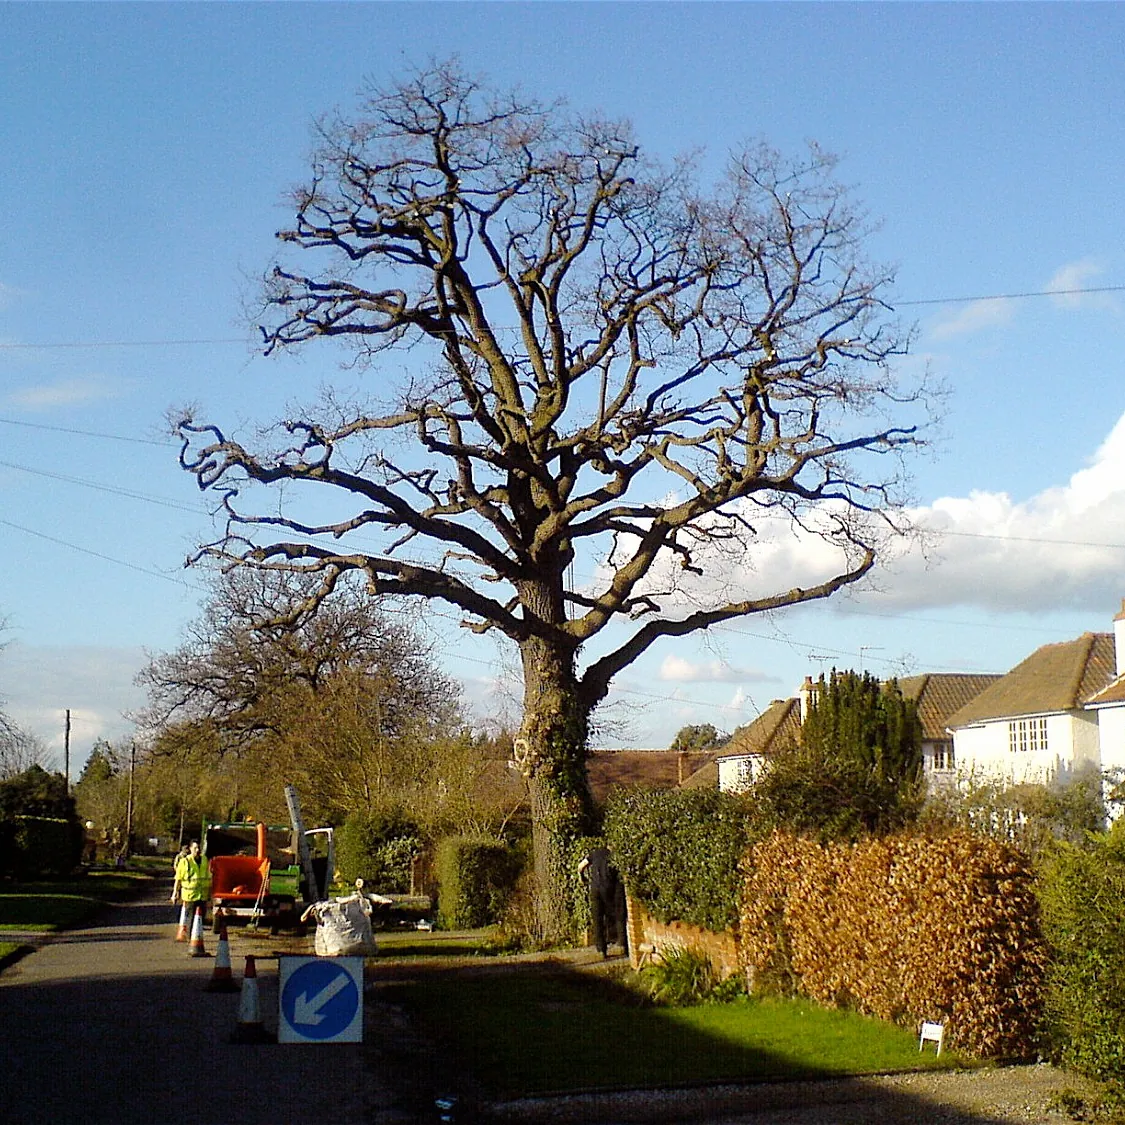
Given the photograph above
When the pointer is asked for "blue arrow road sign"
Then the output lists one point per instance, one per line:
(321, 1000)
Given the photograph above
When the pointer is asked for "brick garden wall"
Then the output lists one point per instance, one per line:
(647, 936)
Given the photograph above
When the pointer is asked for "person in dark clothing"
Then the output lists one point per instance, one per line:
(607, 900)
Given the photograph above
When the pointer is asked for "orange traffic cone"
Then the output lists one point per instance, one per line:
(197, 949)
(181, 933)
(221, 979)
(249, 1028)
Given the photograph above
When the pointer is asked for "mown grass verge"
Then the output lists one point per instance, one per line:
(44, 906)
(413, 943)
(9, 951)
(529, 1033)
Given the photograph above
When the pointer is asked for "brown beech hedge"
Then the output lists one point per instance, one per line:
(905, 927)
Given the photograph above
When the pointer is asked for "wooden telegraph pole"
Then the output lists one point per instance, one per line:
(129, 803)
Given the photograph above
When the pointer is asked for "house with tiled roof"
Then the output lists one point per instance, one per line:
(938, 695)
(1109, 706)
(1034, 725)
(750, 748)
(607, 770)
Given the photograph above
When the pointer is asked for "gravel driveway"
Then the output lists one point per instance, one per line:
(1023, 1094)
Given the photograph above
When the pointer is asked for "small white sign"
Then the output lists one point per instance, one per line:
(320, 1000)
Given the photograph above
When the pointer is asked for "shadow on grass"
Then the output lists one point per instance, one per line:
(48, 905)
(501, 1035)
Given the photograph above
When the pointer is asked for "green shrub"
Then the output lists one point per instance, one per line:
(40, 833)
(679, 850)
(41, 845)
(1082, 897)
(680, 976)
(475, 877)
(378, 847)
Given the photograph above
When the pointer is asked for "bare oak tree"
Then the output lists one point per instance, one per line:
(608, 362)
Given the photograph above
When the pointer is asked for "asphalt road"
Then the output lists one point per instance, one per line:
(112, 1024)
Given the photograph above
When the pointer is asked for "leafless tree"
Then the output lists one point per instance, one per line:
(20, 750)
(342, 705)
(609, 363)
(239, 671)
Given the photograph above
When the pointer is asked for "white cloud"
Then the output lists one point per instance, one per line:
(1061, 549)
(68, 392)
(678, 670)
(1043, 553)
(1075, 276)
(39, 684)
(976, 316)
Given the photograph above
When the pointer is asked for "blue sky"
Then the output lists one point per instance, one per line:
(147, 149)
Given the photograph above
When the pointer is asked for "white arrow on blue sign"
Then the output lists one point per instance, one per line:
(321, 1000)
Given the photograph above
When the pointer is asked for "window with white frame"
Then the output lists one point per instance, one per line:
(943, 756)
(745, 773)
(1027, 734)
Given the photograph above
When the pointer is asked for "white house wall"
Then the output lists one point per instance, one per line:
(1072, 744)
(1111, 723)
(737, 774)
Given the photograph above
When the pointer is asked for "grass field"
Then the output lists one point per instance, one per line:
(412, 943)
(523, 1033)
(46, 905)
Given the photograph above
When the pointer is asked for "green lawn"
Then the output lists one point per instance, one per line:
(414, 943)
(522, 1033)
(51, 904)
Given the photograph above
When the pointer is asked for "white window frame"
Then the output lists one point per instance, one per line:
(1027, 735)
(944, 760)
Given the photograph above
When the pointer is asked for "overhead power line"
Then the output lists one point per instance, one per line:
(1014, 296)
(208, 341)
(99, 555)
(125, 343)
(85, 433)
(110, 488)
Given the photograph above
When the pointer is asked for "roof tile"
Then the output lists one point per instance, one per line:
(1058, 677)
(778, 727)
(941, 694)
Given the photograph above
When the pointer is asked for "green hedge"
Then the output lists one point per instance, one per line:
(41, 845)
(678, 851)
(1082, 898)
(378, 847)
(475, 877)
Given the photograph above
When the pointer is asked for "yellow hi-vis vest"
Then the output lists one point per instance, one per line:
(195, 878)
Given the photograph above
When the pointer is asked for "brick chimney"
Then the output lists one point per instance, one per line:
(808, 690)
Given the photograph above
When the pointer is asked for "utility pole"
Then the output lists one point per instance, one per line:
(129, 804)
(66, 751)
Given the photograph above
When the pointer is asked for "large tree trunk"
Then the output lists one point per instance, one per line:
(551, 752)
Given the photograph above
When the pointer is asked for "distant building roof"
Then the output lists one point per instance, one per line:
(658, 769)
(941, 694)
(778, 727)
(1058, 677)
